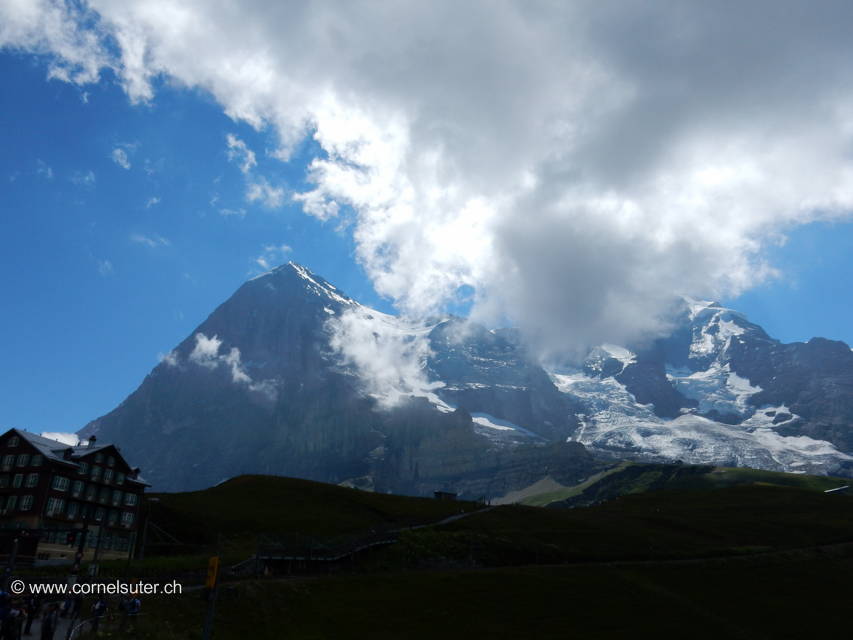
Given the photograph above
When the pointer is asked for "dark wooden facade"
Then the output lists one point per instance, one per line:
(53, 491)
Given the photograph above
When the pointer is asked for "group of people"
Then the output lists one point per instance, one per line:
(17, 615)
(128, 606)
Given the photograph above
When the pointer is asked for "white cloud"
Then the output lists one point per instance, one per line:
(70, 439)
(261, 190)
(45, 170)
(42, 26)
(170, 359)
(151, 202)
(206, 351)
(153, 167)
(83, 179)
(237, 150)
(105, 268)
(119, 156)
(153, 242)
(206, 354)
(576, 163)
(258, 189)
(389, 353)
(272, 255)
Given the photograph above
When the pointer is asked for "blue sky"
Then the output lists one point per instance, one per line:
(98, 279)
(507, 160)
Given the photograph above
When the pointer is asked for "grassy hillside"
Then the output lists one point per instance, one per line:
(246, 506)
(802, 595)
(743, 519)
(750, 560)
(632, 477)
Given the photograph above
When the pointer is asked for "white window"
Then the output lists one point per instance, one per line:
(55, 505)
(96, 473)
(111, 462)
(60, 483)
(23, 460)
(127, 517)
(116, 497)
(36, 461)
(8, 461)
(73, 508)
(91, 492)
(108, 475)
(14, 441)
(4, 480)
(130, 499)
(33, 480)
(83, 468)
(99, 457)
(26, 503)
(120, 478)
(78, 489)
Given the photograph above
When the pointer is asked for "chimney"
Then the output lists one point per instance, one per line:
(92, 440)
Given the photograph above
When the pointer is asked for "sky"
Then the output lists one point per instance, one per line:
(566, 167)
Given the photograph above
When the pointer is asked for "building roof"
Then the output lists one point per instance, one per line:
(54, 450)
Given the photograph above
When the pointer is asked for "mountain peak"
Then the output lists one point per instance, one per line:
(284, 269)
(310, 280)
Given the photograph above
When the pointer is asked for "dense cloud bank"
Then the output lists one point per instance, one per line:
(574, 164)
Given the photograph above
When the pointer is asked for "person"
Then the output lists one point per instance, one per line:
(33, 605)
(49, 622)
(66, 606)
(123, 606)
(12, 622)
(98, 611)
(77, 607)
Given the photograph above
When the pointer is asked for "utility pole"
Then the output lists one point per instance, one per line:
(81, 545)
(213, 584)
(130, 554)
(8, 573)
(144, 536)
(93, 567)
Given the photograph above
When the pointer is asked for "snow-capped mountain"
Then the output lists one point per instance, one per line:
(291, 376)
(719, 390)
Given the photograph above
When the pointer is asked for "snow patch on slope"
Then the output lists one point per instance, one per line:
(717, 389)
(615, 424)
(503, 432)
(619, 353)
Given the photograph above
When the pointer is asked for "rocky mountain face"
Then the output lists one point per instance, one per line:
(719, 390)
(292, 377)
(282, 379)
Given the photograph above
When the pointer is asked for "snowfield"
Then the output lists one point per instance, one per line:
(615, 424)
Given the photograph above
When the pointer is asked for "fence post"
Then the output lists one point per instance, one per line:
(211, 602)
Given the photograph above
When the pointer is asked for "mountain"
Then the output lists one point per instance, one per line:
(290, 376)
(719, 390)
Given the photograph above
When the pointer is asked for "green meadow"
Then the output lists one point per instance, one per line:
(723, 554)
